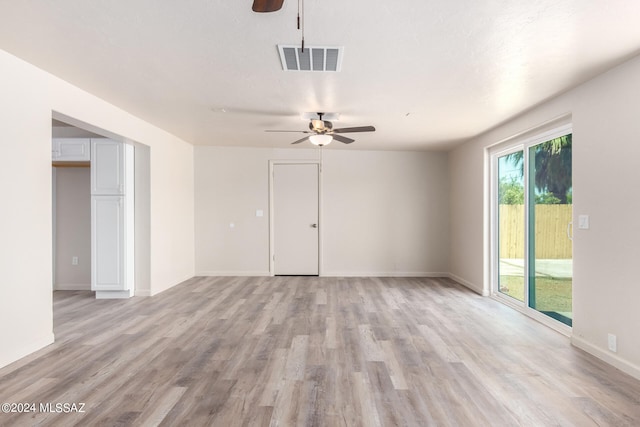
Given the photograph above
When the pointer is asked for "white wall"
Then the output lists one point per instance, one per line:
(29, 96)
(383, 213)
(25, 216)
(73, 228)
(606, 170)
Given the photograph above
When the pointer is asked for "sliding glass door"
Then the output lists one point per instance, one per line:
(550, 228)
(532, 226)
(511, 225)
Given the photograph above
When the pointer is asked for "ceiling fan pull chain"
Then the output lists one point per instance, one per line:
(302, 1)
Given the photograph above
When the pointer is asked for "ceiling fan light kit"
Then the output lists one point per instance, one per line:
(321, 140)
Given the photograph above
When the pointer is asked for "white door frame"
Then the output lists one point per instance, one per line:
(272, 163)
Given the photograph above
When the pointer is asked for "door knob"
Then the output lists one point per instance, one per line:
(314, 225)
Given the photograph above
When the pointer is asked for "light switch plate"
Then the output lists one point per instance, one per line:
(583, 222)
(259, 213)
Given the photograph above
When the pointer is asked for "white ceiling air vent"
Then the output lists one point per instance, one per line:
(314, 58)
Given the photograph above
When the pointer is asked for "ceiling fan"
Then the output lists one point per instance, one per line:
(267, 5)
(322, 132)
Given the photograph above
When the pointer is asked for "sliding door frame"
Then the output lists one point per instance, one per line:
(494, 153)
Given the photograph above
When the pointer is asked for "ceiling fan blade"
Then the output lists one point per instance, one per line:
(295, 131)
(267, 5)
(355, 129)
(300, 140)
(342, 139)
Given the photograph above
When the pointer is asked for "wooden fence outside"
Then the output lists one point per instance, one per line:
(551, 231)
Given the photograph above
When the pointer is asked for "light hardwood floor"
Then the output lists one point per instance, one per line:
(310, 351)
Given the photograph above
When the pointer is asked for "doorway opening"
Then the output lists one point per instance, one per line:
(71, 205)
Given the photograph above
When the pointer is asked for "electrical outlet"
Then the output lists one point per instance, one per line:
(613, 343)
(74, 260)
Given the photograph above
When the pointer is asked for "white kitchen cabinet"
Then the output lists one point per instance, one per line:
(109, 162)
(71, 149)
(107, 243)
(112, 219)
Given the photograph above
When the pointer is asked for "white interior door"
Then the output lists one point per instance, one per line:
(295, 221)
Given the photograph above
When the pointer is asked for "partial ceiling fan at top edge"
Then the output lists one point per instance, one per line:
(266, 6)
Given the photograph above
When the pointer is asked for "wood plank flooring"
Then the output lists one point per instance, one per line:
(308, 351)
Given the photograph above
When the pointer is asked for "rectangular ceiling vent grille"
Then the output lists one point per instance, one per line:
(314, 58)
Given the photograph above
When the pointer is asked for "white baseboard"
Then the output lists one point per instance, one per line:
(232, 273)
(25, 350)
(113, 294)
(154, 291)
(606, 356)
(142, 293)
(72, 287)
(477, 289)
(382, 274)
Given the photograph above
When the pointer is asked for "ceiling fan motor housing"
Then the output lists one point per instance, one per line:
(320, 126)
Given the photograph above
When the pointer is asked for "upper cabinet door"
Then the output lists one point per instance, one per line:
(71, 149)
(107, 167)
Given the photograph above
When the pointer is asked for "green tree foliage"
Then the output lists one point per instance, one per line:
(511, 192)
(546, 199)
(552, 164)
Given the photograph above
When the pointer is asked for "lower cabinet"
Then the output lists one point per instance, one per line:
(112, 263)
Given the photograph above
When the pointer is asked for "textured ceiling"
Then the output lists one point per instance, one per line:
(426, 74)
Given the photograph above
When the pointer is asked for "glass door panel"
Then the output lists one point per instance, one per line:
(550, 228)
(511, 225)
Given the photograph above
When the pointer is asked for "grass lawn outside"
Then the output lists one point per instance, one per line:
(552, 294)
